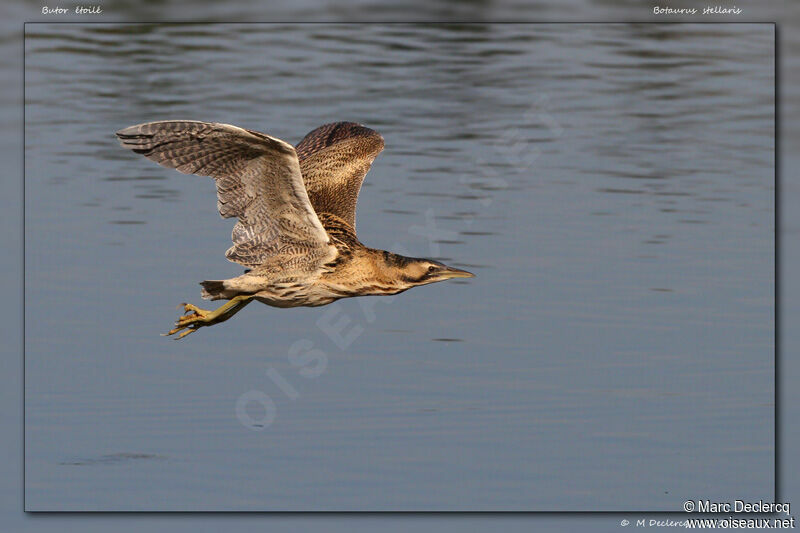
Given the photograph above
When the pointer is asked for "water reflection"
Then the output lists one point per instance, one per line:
(612, 184)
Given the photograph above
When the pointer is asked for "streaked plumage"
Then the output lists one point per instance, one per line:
(296, 214)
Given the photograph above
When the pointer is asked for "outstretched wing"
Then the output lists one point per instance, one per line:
(258, 180)
(334, 159)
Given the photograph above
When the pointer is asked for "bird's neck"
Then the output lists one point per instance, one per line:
(366, 272)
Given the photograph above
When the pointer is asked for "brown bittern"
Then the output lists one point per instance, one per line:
(296, 207)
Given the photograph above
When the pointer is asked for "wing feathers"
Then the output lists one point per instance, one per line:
(258, 180)
(334, 159)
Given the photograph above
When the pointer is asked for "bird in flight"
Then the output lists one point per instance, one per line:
(296, 209)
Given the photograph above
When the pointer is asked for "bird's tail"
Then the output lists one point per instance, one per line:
(215, 290)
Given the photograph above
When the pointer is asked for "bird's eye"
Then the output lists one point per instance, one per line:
(431, 268)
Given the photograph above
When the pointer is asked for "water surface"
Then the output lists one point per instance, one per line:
(612, 187)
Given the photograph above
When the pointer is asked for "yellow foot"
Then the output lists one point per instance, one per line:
(194, 319)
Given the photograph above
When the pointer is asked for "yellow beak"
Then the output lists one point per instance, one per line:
(450, 272)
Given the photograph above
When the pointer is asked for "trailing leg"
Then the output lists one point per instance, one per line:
(196, 318)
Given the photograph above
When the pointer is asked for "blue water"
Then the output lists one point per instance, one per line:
(612, 187)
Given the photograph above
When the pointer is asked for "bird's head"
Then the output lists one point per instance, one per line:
(412, 271)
